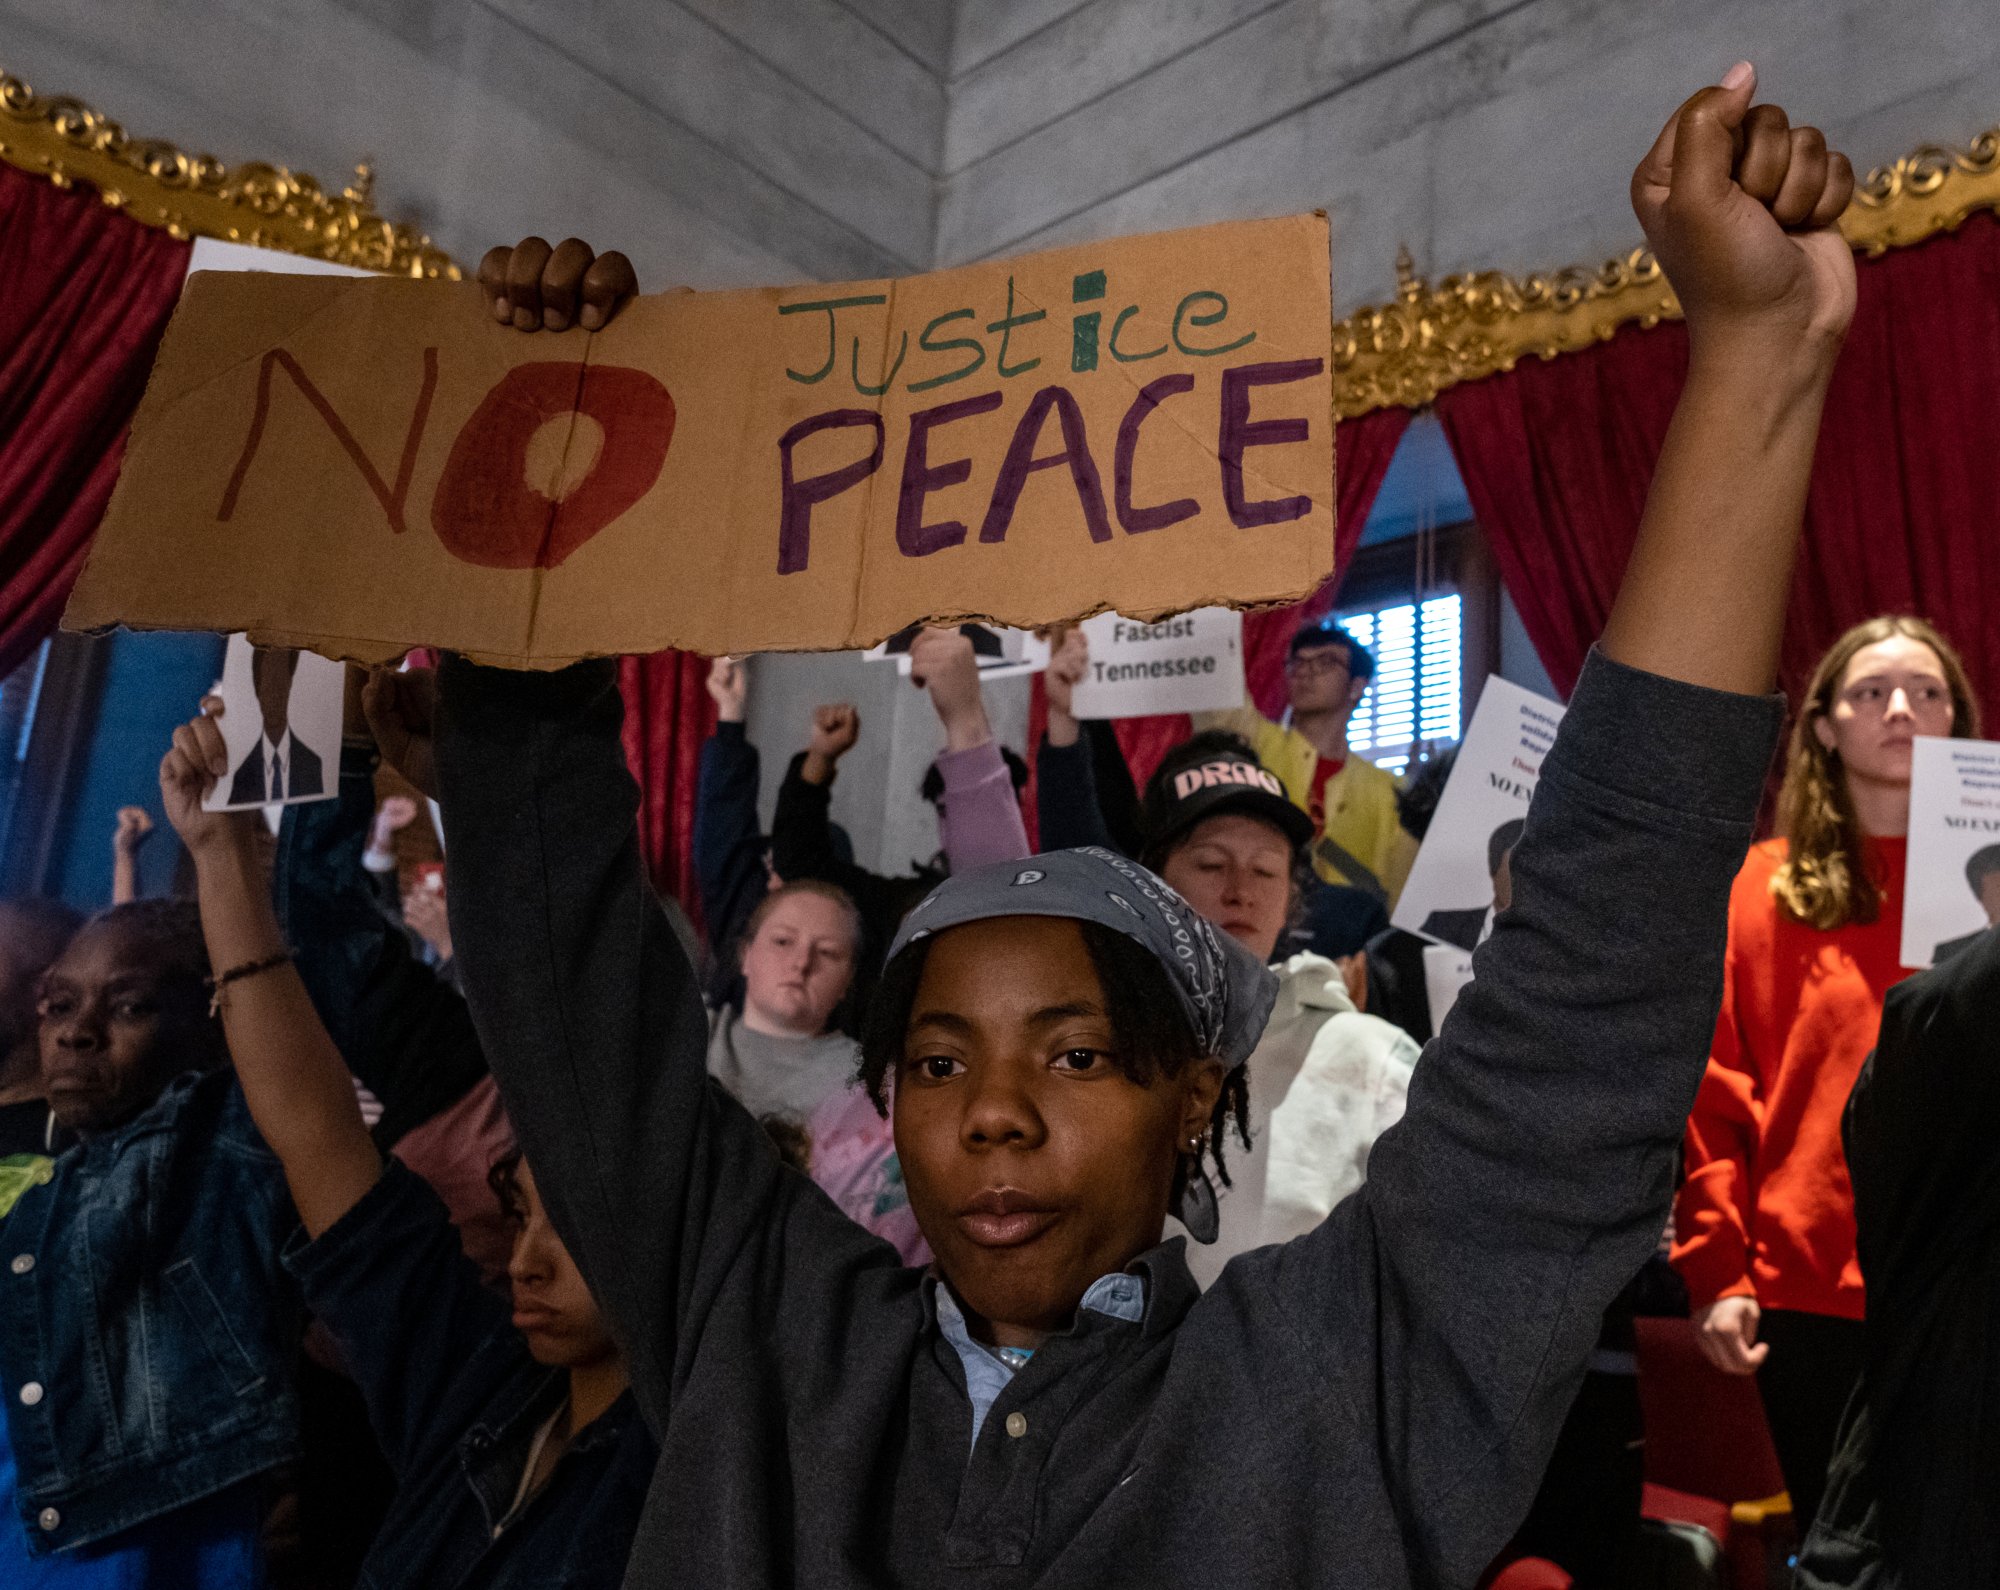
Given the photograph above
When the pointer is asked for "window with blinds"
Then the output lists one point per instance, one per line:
(1413, 703)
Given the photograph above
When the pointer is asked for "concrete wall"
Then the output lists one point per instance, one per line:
(719, 142)
(1478, 132)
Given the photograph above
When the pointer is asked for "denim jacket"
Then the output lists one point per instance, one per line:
(147, 1327)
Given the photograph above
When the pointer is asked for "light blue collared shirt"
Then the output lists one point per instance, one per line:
(1119, 1296)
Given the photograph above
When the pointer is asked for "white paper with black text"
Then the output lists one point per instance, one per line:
(1450, 895)
(281, 714)
(1190, 663)
(1447, 969)
(1952, 892)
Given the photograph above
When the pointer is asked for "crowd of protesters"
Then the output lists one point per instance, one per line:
(1106, 1213)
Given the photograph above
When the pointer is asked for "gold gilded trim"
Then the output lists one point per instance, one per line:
(1930, 191)
(1405, 353)
(1402, 355)
(63, 140)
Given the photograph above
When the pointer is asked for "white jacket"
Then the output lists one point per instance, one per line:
(1325, 1082)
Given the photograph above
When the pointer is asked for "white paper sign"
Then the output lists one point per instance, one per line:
(1447, 969)
(281, 714)
(212, 254)
(1953, 890)
(1452, 887)
(1193, 663)
(1000, 653)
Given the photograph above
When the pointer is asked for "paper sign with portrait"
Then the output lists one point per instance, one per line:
(1460, 878)
(281, 717)
(1951, 893)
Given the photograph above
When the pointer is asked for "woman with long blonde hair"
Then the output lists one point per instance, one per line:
(1765, 1222)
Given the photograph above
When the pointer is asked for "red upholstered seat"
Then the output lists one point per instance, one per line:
(1530, 1573)
(1709, 1458)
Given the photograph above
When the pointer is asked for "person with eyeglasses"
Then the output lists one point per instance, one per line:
(1351, 801)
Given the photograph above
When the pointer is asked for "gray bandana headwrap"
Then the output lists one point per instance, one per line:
(1225, 992)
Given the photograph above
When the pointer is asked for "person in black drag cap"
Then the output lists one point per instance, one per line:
(1325, 1080)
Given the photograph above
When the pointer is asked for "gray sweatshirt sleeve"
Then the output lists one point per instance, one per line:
(1453, 1301)
(674, 1203)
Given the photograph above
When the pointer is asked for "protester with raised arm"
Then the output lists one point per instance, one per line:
(970, 784)
(732, 856)
(128, 838)
(519, 1454)
(1052, 1404)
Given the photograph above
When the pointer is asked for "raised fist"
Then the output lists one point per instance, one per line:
(188, 772)
(1069, 661)
(835, 729)
(533, 287)
(401, 709)
(135, 827)
(1739, 207)
(728, 685)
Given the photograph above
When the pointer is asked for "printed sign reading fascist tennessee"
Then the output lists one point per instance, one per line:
(359, 467)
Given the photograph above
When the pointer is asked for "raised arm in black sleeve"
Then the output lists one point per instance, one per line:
(402, 1029)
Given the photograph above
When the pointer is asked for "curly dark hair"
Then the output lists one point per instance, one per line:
(1154, 1036)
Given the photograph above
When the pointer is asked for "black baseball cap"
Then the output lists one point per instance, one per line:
(1212, 773)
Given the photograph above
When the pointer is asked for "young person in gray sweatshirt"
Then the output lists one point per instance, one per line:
(1052, 1404)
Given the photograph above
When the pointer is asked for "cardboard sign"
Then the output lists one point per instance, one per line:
(281, 713)
(360, 467)
(1000, 653)
(1459, 874)
(1951, 894)
(1193, 663)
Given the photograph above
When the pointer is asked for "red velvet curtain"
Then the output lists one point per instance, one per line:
(1363, 448)
(1557, 457)
(668, 716)
(85, 293)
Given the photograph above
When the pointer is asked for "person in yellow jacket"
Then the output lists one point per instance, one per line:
(1351, 801)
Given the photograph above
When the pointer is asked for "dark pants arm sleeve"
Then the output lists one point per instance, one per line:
(1456, 1297)
(666, 1191)
(1066, 797)
(728, 845)
(402, 1030)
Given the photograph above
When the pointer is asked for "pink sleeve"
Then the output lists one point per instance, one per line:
(979, 818)
(453, 1151)
(854, 1162)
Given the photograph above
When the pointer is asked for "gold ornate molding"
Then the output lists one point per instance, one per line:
(65, 141)
(1403, 354)
(1930, 191)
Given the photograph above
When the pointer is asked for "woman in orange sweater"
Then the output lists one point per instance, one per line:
(1765, 1222)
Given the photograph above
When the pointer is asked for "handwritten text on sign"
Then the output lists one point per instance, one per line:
(361, 467)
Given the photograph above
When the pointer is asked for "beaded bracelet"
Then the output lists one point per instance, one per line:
(221, 980)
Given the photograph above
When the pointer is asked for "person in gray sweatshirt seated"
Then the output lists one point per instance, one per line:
(1053, 1403)
(783, 1053)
